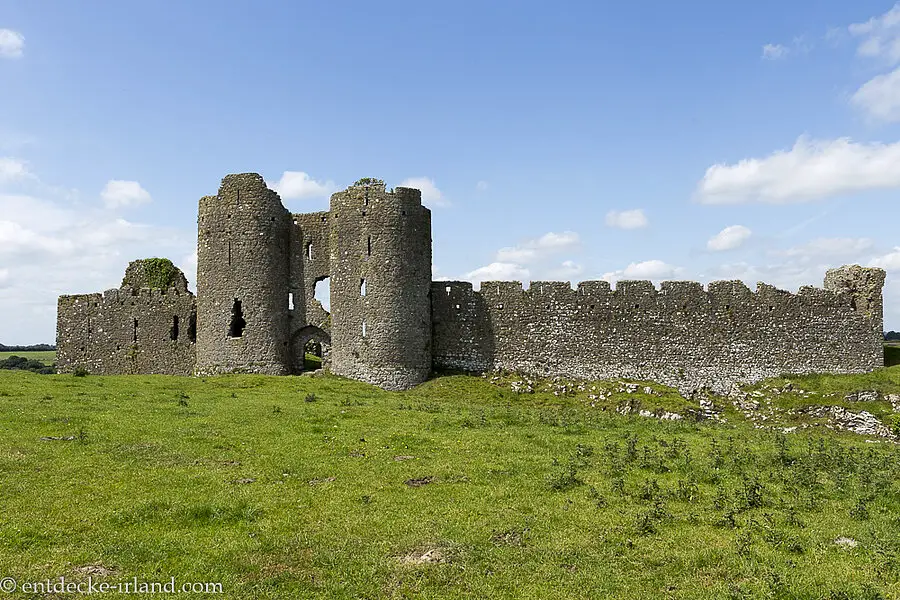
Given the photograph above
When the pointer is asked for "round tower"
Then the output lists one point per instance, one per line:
(380, 245)
(243, 243)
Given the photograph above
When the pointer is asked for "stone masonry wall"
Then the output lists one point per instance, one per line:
(311, 264)
(381, 241)
(680, 335)
(125, 331)
(244, 245)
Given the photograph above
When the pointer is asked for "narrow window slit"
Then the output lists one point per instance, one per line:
(290, 300)
(362, 287)
(173, 333)
(134, 331)
(192, 327)
(236, 329)
(364, 329)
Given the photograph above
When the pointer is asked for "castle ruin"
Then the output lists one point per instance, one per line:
(392, 326)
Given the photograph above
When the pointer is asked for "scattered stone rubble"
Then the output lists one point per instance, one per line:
(756, 405)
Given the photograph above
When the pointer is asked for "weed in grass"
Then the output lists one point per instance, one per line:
(743, 543)
(565, 478)
(80, 372)
(276, 410)
(598, 498)
(687, 491)
(647, 521)
(650, 491)
(310, 397)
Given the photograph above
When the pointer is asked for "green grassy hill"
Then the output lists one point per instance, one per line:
(318, 487)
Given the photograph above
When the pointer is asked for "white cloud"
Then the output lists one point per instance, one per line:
(648, 269)
(12, 44)
(879, 97)
(626, 219)
(540, 248)
(828, 250)
(811, 170)
(774, 51)
(729, 238)
(120, 194)
(297, 185)
(888, 262)
(431, 196)
(481, 186)
(188, 266)
(49, 248)
(13, 169)
(566, 270)
(879, 36)
(498, 271)
(4, 277)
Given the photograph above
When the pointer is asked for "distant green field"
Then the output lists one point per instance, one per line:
(47, 357)
(320, 487)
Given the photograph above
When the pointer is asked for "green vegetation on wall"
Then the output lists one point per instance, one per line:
(151, 273)
(369, 181)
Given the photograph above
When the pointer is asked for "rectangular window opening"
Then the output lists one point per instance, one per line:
(448, 290)
(134, 331)
(369, 247)
(229, 254)
(364, 329)
(362, 287)
(173, 333)
(309, 250)
(192, 327)
(290, 300)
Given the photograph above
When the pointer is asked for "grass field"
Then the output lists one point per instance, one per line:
(47, 357)
(311, 487)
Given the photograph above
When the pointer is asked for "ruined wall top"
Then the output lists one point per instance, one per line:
(154, 273)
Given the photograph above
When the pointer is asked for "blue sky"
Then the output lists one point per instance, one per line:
(571, 140)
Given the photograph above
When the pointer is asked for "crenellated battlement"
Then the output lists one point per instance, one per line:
(679, 333)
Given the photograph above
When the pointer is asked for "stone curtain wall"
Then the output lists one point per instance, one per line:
(680, 335)
(125, 331)
(384, 240)
(310, 264)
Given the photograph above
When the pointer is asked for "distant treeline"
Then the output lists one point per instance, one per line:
(32, 348)
(892, 336)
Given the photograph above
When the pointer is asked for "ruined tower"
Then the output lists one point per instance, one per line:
(243, 275)
(380, 260)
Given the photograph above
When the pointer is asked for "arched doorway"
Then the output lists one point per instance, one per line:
(313, 341)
